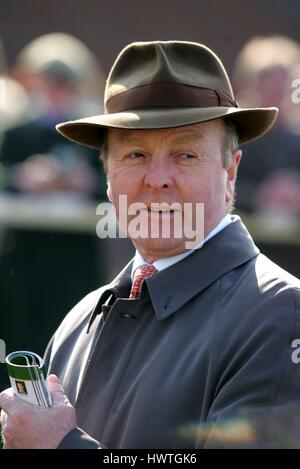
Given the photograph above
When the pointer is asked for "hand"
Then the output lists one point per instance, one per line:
(25, 425)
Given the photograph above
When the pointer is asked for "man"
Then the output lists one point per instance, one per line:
(208, 341)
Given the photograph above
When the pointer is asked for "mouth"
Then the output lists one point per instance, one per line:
(160, 210)
(164, 208)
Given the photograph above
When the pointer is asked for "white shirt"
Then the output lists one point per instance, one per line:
(161, 264)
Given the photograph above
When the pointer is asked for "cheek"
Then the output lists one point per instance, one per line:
(207, 187)
(211, 190)
(121, 184)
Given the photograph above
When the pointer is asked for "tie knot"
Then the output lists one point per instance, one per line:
(140, 273)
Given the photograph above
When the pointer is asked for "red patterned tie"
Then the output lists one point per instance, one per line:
(139, 275)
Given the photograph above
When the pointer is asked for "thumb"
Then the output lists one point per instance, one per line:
(57, 391)
(53, 379)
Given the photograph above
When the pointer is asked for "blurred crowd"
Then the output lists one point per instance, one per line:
(44, 271)
(57, 78)
(269, 176)
(54, 78)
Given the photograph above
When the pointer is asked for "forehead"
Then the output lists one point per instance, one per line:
(195, 132)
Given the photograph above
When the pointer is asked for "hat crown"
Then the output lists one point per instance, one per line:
(167, 84)
(167, 62)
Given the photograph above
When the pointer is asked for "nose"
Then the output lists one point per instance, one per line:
(159, 175)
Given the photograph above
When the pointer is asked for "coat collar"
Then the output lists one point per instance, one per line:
(173, 287)
(118, 288)
(232, 247)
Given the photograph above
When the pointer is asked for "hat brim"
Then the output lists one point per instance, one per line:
(250, 123)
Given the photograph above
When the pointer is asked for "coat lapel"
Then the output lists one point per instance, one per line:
(173, 287)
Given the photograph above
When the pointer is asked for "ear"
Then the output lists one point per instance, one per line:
(232, 173)
(108, 191)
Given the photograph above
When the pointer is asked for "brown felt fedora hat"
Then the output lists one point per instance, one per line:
(164, 84)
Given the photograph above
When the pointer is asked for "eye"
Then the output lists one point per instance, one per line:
(136, 154)
(186, 157)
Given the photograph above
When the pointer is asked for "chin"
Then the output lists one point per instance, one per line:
(159, 248)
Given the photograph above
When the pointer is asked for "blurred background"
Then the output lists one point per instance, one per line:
(54, 59)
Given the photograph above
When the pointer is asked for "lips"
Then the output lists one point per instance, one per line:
(164, 207)
(160, 210)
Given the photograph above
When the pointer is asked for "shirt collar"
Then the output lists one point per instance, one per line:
(161, 264)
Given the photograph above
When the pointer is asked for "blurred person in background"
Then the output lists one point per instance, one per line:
(56, 71)
(14, 111)
(41, 269)
(269, 179)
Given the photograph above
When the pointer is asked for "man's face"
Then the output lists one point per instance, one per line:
(182, 165)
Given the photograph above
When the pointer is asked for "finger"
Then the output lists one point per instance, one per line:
(3, 417)
(57, 391)
(6, 399)
(3, 420)
(53, 378)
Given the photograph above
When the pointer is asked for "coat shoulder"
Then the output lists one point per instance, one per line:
(259, 294)
(271, 277)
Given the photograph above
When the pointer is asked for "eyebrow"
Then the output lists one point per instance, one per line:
(188, 136)
(129, 138)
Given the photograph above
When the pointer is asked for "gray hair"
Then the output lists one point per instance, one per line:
(231, 142)
(104, 148)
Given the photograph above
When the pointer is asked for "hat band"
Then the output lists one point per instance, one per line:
(168, 95)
